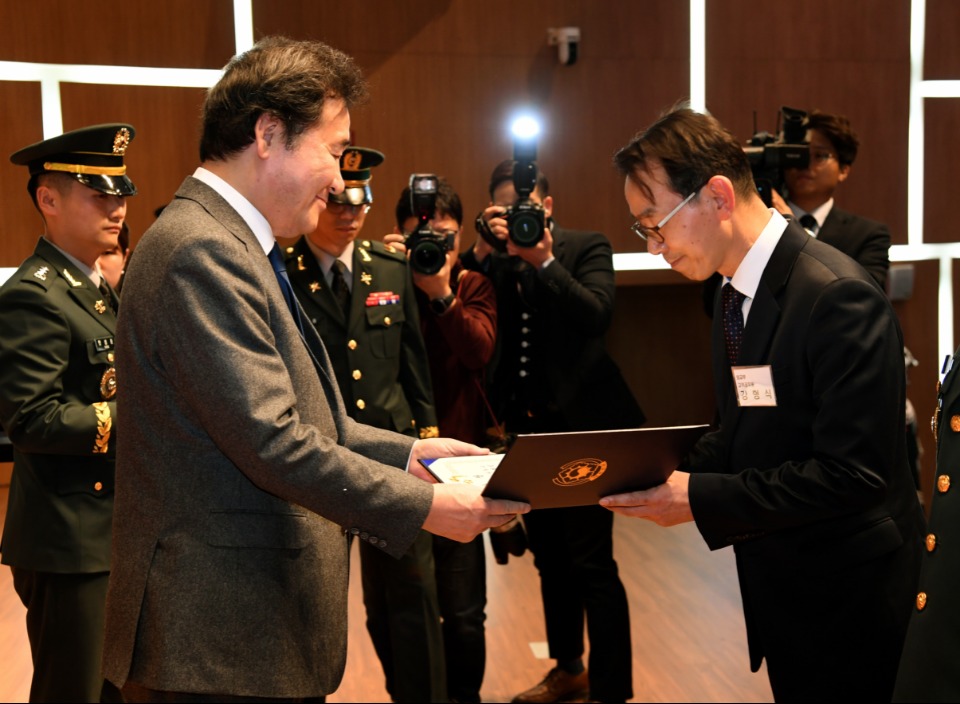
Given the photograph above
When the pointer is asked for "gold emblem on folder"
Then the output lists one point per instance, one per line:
(580, 472)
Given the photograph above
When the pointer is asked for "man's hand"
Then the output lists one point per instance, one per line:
(432, 448)
(666, 505)
(776, 200)
(493, 216)
(534, 256)
(434, 285)
(397, 241)
(459, 512)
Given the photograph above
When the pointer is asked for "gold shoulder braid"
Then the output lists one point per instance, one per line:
(104, 427)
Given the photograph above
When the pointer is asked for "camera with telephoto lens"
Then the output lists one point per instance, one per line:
(770, 155)
(428, 248)
(526, 220)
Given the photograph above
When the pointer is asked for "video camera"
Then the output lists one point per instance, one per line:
(428, 248)
(526, 220)
(770, 155)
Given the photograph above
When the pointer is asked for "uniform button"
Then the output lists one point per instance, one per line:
(357, 375)
(313, 320)
(524, 330)
(523, 372)
(361, 404)
(354, 531)
(943, 483)
(110, 357)
(364, 535)
(352, 344)
(382, 543)
(921, 601)
(365, 244)
(524, 360)
(955, 424)
(525, 316)
(387, 321)
(289, 250)
(931, 542)
(98, 486)
(524, 344)
(374, 539)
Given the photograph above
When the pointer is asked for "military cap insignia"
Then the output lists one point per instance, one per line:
(352, 159)
(69, 277)
(366, 278)
(100, 307)
(41, 273)
(108, 384)
(121, 140)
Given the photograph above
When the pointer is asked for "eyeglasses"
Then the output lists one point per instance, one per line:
(652, 234)
(821, 156)
(340, 208)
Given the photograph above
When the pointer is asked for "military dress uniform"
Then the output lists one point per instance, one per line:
(928, 667)
(58, 407)
(380, 360)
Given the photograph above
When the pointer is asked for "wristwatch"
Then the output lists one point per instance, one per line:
(442, 305)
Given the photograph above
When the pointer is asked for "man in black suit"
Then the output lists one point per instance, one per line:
(833, 149)
(807, 474)
(553, 374)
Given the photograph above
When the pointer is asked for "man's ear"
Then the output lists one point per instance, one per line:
(268, 133)
(48, 200)
(720, 195)
(548, 206)
(844, 172)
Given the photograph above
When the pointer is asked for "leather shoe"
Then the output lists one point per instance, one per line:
(558, 686)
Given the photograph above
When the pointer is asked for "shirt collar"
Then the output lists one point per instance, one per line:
(747, 277)
(326, 260)
(819, 213)
(245, 209)
(91, 273)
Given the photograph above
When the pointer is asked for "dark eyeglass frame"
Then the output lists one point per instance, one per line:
(354, 208)
(652, 234)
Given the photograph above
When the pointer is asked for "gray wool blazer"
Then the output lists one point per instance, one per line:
(238, 473)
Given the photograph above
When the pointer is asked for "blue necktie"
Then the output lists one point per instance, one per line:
(280, 269)
(732, 301)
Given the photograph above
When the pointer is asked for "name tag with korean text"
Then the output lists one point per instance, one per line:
(754, 386)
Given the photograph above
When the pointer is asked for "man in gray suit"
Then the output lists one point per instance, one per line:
(240, 473)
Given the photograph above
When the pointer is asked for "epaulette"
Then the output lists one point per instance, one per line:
(384, 250)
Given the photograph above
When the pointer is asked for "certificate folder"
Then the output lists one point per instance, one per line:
(551, 470)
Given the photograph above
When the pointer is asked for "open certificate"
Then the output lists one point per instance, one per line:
(470, 469)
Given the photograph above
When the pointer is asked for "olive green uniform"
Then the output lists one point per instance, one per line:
(380, 360)
(58, 408)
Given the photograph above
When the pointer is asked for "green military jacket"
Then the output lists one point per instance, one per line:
(57, 405)
(378, 353)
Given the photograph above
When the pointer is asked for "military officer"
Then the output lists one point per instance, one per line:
(58, 317)
(359, 295)
(928, 671)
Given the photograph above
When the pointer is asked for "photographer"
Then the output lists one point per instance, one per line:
(553, 374)
(458, 319)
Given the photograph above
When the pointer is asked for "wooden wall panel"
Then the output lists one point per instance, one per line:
(22, 126)
(164, 150)
(808, 55)
(941, 169)
(445, 78)
(941, 60)
(173, 33)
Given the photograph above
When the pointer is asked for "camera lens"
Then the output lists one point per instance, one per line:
(427, 257)
(526, 228)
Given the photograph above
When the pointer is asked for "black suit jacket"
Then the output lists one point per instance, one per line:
(866, 241)
(818, 485)
(568, 308)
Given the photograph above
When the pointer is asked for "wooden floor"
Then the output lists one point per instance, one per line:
(688, 635)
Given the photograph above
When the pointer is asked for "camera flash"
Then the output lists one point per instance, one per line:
(525, 127)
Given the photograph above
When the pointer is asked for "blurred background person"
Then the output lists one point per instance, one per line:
(113, 262)
(458, 319)
(360, 297)
(553, 374)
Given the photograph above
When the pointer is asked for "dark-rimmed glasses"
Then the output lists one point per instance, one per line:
(652, 234)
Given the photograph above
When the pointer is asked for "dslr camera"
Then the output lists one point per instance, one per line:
(526, 219)
(428, 248)
(770, 155)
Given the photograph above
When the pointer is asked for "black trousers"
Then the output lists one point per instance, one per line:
(65, 627)
(573, 551)
(462, 591)
(403, 619)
